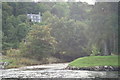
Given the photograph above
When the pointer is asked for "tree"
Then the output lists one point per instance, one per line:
(39, 43)
(22, 31)
(104, 27)
(79, 11)
(70, 37)
(60, 10)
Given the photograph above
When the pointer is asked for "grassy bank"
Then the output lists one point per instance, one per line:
(92, 61)
(14, 62)
(18, 61)
(15, 59)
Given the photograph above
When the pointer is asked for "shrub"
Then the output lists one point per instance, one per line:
(39, 43)
(13, 53)
(95, 51)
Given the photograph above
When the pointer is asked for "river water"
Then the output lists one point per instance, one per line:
(54, 71)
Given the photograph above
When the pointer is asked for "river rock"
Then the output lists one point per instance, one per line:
(96, 68)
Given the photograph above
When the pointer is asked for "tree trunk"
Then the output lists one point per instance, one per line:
(105, 49)
(109, 47)
(115, 44)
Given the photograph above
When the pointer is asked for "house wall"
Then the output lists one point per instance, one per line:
(34, 17)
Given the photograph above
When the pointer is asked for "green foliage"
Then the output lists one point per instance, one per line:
(70, 36)
(46, 15)
(70, 30)
(22, 18)
(39, 42)
(18, 61)
(22, 31)
(13, 53)
(14, 21)
(60, 9)
(95, 51)
(79, 11)
(14, 30)
(103, 30)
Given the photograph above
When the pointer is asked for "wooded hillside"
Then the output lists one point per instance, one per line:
(67, 30)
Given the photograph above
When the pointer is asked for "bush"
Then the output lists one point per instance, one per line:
(13, 53)
(39, 43)
(95, 51)
(14, 62)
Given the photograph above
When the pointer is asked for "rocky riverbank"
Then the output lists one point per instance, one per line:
(95, 68)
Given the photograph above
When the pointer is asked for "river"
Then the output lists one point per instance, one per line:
(54, 71)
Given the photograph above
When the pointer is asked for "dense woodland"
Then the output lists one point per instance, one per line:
(67, 30)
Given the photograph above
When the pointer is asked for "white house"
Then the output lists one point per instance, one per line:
(35, 17)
